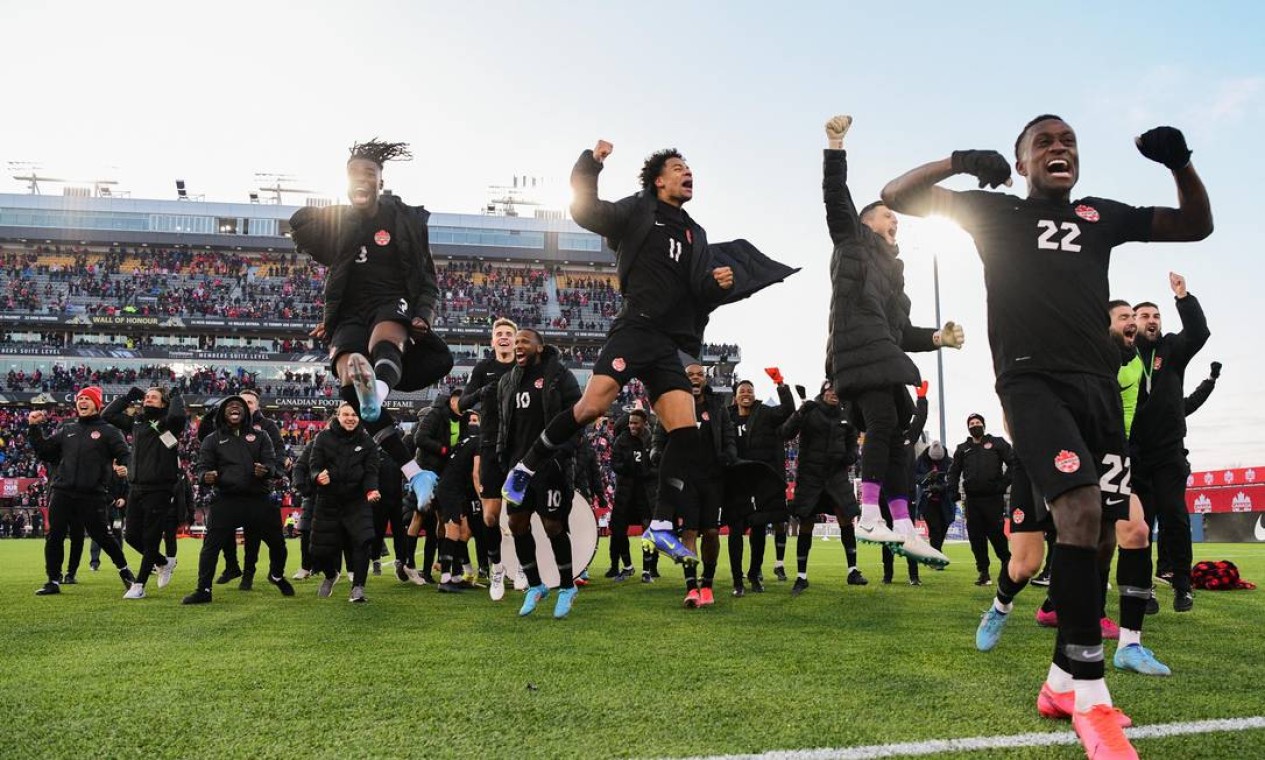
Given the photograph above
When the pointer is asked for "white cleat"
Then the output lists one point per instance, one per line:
(164, 572)
(496, 588)
(878, 533)
(414, 577)
(137, 591)
(916, 548)
(301, 575)
(520, 581)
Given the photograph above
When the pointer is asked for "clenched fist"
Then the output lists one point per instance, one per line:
(37, 417)
(260, 470)
(1178, 284)
(950, 336)
(836, 128)
(210, 477)
(374, 496)
(322, 478)
(602, 150)
(724, 277)
(120, 470)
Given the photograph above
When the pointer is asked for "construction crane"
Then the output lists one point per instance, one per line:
(276, 185)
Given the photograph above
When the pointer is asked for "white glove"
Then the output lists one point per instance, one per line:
(949, 336)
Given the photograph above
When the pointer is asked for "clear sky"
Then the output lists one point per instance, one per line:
(214, 92)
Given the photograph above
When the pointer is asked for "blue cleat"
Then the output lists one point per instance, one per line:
(423, 485)
(667, 542)
(365, 384)
(515, 488)
(535, 595)
(1139, 659)
(566, 597)
(991, 625)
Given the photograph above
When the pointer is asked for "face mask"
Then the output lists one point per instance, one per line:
(976, 431)
(153, 412)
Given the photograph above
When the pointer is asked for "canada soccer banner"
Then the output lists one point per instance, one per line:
(1226, 491)
(1245, 476)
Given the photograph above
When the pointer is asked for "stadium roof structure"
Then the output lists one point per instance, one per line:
(132, 222)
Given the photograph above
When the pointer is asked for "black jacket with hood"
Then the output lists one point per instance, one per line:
(763, 441)
(84, 451)
(1159, 426)
(154, 464)
(232, 452)
(983, 468)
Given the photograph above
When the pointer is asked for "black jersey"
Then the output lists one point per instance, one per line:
(707, 449)
(1045, 272)
(658, 289)
(376, 273)
(486, 373)
(528, 407)
(741, 430)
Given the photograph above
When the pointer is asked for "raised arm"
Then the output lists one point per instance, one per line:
(115, 412)
(590, 212)
(1195, 331)
(1198, 396)
(1192, 219)
(841, 211)
(177, 416)
(915, 191)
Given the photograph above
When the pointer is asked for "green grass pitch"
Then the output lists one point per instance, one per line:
(418, 674)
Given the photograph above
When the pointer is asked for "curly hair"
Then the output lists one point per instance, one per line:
(380, 152)
(653, 166)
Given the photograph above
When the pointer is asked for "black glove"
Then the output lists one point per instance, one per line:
(803, 393)
(1216, 370)
(135, 394)
(988, 166)
(1165, 145)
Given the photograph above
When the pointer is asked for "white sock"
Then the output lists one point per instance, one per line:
(467, 568)
(852, 569)
(1059, 679)
(870, 514)
(1002, 608)
(660, 525)
(1090, 693)
(498, 568)
(903, 526)
(1128, 637)
(445, 578)
(802, 576)
(779, 563)
(410, 468)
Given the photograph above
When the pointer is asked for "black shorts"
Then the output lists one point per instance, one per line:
(491, 475)
(454, 505)
(646, 354)
(1068, 431)
(351, 336)
(1028, 512)
(706, 505)
(549, 494)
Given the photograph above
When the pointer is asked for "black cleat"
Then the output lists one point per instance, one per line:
(915, 582)
(856, 579)
(201, 596)
(780, 574)
(1042, 580)
(127, 577)
(281, 583)
(69, 580)
(983, 580)
(739, 589)
(1183, 601)
(52, 587)
(800, 585)
(228, 575)
(613, 572)
(887, 580)
(1152, 604)
(451, 587)
(377, 570)
(247, 583)
(757, 585)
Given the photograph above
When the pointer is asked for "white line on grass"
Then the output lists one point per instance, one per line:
(938, 746)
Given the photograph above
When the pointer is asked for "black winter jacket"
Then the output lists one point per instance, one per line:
(869, 329)
(982, 469)
(1159, 426)
(763, 441)
(153, 463)
(84, 450)
(562, 391)
(432, 436)
(827, 448)
(352, 461)
(588, 473)
(627, 222)
(329, 236)
(232, 453)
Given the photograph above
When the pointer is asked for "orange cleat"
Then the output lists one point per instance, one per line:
(693, 599)
(705, 598)
(1101, 735)
(1060, 705)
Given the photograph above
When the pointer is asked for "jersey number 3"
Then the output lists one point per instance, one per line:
(1046, 241)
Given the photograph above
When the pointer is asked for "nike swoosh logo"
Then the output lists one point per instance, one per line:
(1260, 528)
(223, 440)
(660, 224)
(71, 435)
(1115, 502)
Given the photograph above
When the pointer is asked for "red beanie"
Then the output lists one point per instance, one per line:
(94, 395)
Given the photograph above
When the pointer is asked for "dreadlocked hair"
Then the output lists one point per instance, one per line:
(380, 152)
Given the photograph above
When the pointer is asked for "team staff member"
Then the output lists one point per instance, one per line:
(1158, 444)
(344, 468)
(153, 474)
(527, 397)
(1046, 260)
(89, 454)
(239, 462)
(981, 469)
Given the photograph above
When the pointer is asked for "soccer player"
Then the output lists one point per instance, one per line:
(454, 495)
(380, 297)
(1045, 262)
(153, 474)
(827, 450)
(671, 280)
(1159, 450)
(89, 455)
(703, 512)
(537, 389)
(480, 387)
(344, 467)
(981, 469)
(869, 333)
(239, 462)
(630, 460)
(260, 424)
(759, 439)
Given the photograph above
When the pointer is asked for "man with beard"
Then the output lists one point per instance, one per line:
(1159, 441)
(538, 388)
(702, 514)
(630, 460)
(866, 358)
(758, 438)
(153, 474)
(1046, 260)
(671, 281)
(827, 449)
(238, 462)
(981, 469)
(379, 297)
(481, 388)
(89, 454)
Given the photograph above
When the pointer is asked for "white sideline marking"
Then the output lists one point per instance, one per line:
(1044, 739)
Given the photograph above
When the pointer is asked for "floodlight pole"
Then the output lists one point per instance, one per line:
(935, 272)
